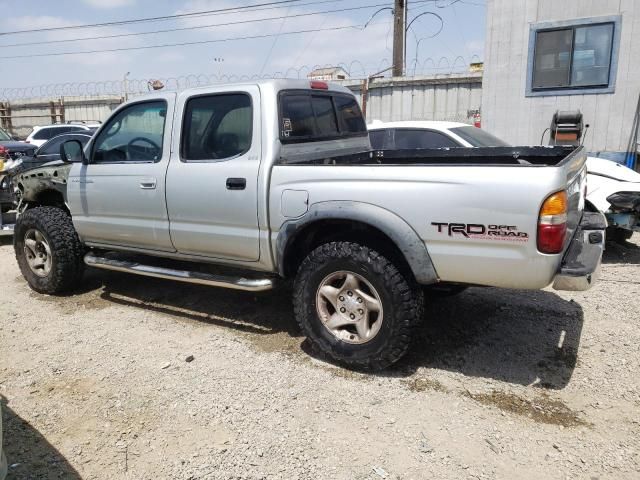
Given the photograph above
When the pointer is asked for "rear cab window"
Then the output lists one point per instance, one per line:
(308, 116)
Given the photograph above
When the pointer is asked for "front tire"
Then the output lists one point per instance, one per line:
(48, 250)
(355, 305)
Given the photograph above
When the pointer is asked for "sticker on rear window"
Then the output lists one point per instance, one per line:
(287, 128)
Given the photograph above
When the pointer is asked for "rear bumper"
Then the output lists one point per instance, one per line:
(581, 263)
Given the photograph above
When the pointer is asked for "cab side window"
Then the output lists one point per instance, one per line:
(135, 134)
(217, 127)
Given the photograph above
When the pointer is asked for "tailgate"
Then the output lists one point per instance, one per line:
(574, 168)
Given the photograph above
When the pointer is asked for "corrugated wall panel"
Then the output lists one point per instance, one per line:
(508, 113)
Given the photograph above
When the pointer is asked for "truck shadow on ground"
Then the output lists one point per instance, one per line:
(520, 337)
(515, 336)
(28, 453)
(627, 252)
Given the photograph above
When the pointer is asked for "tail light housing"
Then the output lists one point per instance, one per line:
(552, 223)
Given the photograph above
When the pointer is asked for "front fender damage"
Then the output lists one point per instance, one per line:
(33, 184)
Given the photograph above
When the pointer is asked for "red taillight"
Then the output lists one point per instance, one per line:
(3, 151)
(317, 85)
(551, 237)
(552, 223)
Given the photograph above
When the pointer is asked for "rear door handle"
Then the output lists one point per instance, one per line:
(236, 183)
(148, 184)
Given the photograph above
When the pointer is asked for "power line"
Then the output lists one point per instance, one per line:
(148, 19)
(182, 44)
(179, 29)
(275, 40)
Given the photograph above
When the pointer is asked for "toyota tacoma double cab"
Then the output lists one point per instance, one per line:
(240, 186)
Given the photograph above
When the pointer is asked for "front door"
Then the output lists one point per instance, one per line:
(212, 193)
(118, 198)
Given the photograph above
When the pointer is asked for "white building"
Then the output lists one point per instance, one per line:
(330, 73)
(548, 55)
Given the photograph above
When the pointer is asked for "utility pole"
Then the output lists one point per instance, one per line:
(399, 36)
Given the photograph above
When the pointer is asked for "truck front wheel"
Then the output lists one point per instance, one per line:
(48, 250)
(356, 306)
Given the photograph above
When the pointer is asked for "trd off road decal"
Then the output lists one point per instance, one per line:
(477, 230)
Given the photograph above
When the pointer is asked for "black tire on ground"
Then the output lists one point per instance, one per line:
(618, 235)
(401, 298)
(67, 264)
(443, 290)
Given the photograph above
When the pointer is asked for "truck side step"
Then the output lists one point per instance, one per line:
(201, 278)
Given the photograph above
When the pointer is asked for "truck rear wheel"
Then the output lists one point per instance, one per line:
(48, 250)
(354, 305)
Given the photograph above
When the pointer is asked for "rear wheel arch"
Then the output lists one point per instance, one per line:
(362, 223)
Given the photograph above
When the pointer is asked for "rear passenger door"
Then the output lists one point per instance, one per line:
(212, 181)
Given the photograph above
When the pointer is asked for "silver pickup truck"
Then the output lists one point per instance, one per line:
(239, 186)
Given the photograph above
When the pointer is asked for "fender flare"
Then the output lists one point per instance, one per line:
(400, 232)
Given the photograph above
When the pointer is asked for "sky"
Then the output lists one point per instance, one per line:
(342, 38)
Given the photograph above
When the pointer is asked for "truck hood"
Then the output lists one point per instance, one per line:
(610, 169)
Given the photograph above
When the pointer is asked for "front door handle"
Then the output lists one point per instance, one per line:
(149, 184)
(236, 183)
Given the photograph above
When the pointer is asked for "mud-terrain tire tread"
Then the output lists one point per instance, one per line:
(66, 249)
(407, 304)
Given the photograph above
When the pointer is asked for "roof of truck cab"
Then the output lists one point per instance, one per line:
(431, 124)
(271, 84)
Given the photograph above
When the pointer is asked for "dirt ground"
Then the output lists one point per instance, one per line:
(500, 384)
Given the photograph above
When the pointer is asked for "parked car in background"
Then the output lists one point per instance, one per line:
(429, 134)
(12, 153)
(614, 189)
(11, 149)
(41, 134)
(50, 151)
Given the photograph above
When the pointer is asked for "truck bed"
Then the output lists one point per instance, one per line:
(525, 156)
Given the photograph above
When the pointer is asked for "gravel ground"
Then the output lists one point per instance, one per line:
(134, 378)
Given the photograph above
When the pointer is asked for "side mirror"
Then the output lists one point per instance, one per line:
(71, 151)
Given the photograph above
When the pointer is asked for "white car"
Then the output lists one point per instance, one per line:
(613, 189)
(42, 134)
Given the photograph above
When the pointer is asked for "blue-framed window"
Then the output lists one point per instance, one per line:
(573, 57)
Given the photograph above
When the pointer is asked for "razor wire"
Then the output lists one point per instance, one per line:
(355, 70)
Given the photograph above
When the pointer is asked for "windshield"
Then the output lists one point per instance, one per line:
(478, 137)
(4, 136)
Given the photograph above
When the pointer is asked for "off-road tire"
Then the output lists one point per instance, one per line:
(618, 235)
(67, 264)
(402, 300)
